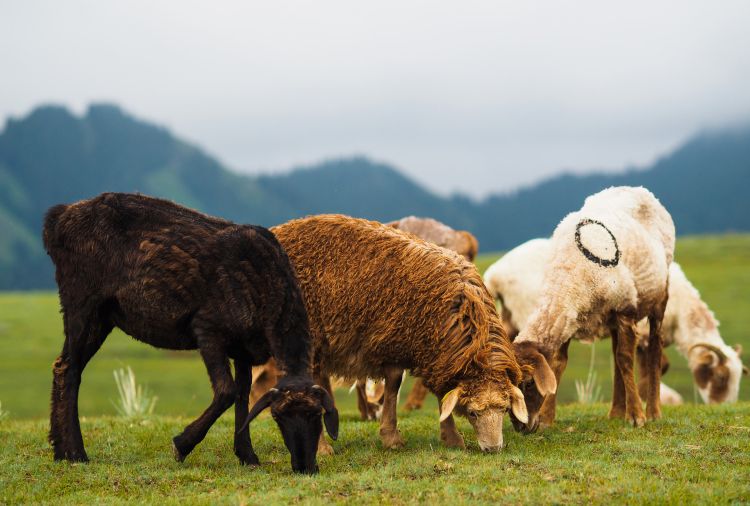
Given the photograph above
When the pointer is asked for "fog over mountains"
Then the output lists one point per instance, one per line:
(52, 156)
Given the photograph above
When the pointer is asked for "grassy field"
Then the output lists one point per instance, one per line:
(695, 454)
(31, 338)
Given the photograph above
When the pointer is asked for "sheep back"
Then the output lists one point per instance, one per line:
(157, 266)
(377, 296)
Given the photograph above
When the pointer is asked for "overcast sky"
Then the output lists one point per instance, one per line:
(470, 96)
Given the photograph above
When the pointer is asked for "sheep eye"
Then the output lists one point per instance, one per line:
(472, 414)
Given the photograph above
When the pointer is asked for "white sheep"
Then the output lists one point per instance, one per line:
(608, 268)
(516, 280)
(692, 327)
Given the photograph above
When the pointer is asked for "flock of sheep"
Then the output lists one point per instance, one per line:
(333, 296)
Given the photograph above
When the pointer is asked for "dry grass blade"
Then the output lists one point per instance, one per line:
(135, 399)
(589, 391)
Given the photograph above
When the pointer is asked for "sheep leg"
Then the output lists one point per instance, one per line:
(243, 446)
(225, 393)
(82, 341)
(618, 386)
(267, 377)
(641, 357)
(653, 373)
(549, 406)
(449, 434)
(389, 433)
(324, 447)
(643, 367)
(367, 410)
(626, 342)
(416, 396)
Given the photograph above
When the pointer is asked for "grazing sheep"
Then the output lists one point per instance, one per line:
(460, 241)
(609, 268)
(177, 279)
(692, 327)
(517, 279)
(381, 301)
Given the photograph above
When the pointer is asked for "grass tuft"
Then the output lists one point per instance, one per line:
(135, 400)
(589, 391)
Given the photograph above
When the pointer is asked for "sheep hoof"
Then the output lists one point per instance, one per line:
(247, 458)
(616, 413)
(392, 440)
(74, 456)
(412, 406)
(655, 415)
(325, 448)
(453, 441)
(179, 457)
(252, 462)
(545, 425)
(637, 420)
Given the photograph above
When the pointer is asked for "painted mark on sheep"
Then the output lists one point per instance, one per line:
(604, 262)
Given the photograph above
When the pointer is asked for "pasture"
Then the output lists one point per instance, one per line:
(696, 453)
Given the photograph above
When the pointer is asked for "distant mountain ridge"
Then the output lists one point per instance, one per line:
(52, 156)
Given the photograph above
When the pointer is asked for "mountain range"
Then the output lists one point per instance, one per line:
(53, 156)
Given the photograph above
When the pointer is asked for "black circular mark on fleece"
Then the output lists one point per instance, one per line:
(588, 254)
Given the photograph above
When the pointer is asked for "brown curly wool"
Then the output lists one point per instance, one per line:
(378, 297)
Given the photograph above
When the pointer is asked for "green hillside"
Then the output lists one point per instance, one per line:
(52, 156)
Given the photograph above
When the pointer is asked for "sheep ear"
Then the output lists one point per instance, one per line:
(544, 378)
(703, 374)
(518, 405)
(448, 404)
(330, 413)
(745, 370)
(738, 348)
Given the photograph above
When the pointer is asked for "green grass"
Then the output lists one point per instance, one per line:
(695, 454)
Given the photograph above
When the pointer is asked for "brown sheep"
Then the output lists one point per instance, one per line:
(460, 241)
(381, 301)
(180, 280)
(431, 230)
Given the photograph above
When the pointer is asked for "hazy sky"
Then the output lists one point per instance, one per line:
(471, 96)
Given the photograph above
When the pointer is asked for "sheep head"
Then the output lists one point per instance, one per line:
(717, 371)
(296, 406)
(539, 381)
(484, 403)
(469, 246)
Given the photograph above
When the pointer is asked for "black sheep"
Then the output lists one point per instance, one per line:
(178, 279)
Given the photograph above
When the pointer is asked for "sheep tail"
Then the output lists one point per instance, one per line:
(51, 219)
